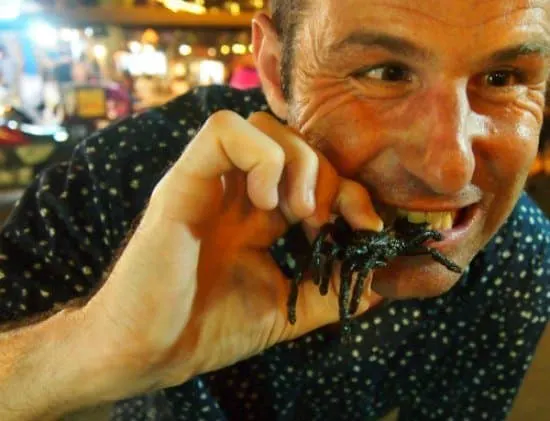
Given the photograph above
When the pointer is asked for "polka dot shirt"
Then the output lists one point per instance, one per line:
(460, 356)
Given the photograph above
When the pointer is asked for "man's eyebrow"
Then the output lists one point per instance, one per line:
(392, 43)
(401, 46)
(535, 47)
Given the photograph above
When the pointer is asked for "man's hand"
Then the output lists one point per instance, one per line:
(196, 289)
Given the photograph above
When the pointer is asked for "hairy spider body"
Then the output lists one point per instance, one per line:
(360, 252)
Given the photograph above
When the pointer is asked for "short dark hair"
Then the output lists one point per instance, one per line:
(287, 15)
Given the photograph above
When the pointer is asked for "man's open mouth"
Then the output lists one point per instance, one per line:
(435, 220)
(439, 221)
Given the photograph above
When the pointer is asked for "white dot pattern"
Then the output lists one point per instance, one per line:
(459, 356)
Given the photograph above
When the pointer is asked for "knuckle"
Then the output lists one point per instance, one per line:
(277, 156)
(222, 118)
(350, 187)
(303, 151)
(259, 116)
(312, 157)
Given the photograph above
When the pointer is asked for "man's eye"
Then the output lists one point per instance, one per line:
(503, 78)
(387, 73)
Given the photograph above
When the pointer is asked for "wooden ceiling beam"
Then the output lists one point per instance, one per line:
(147, 16)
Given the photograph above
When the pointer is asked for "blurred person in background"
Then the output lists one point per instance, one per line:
(244, 75)
(57, 77)
(128, 82)
(31, 83)
(8, 75)
(62, 64)
(81, 70)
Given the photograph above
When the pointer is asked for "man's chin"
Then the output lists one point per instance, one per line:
(408, 283)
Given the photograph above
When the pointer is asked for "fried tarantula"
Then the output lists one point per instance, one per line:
(360, 252)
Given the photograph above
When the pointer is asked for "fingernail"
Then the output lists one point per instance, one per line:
(367, 222)
(375, 223)
(273, 198)
(310, 198)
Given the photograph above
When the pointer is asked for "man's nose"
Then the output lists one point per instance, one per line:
(440, 151)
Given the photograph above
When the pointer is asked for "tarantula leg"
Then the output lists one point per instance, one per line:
(316, 272)
(325, 264)
(320, 265)
(320, 246)
(437, 256)
(358, 291)
(345, 332)
(302, 265)
(319, 242)
(346, 311)
(327, 271)
(424, 236)
(346, 273)
(292, 300)
(360, 283)
(359, 286)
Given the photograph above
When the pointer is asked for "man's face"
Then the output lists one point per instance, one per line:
(434, 106)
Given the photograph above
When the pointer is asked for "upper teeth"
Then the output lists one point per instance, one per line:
(435, 220)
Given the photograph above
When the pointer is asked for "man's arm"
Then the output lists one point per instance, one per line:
(55, 248)
(47, 369)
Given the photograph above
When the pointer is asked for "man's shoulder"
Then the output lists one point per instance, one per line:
(209, 99)
(515, 265)
(162, 133)
(172, 125)
(525, 237)
(528, 217)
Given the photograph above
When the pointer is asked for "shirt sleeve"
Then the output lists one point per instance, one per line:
(65, 230)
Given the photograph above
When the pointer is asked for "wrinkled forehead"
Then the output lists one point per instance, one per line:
(437, 24)
(456, 13)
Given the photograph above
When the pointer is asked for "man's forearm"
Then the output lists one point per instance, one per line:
(47, 369)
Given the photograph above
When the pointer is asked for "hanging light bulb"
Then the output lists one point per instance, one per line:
(238, 49)
(258, 4)
(234, 8)
(184, 6)
(185, 50)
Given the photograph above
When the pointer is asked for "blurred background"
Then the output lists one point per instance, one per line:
(70, 67)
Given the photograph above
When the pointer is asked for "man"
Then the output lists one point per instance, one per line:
(427, 107)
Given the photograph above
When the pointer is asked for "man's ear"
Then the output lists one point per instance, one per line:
(268, 55)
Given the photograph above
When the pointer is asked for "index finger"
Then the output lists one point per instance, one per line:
(226, 142)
